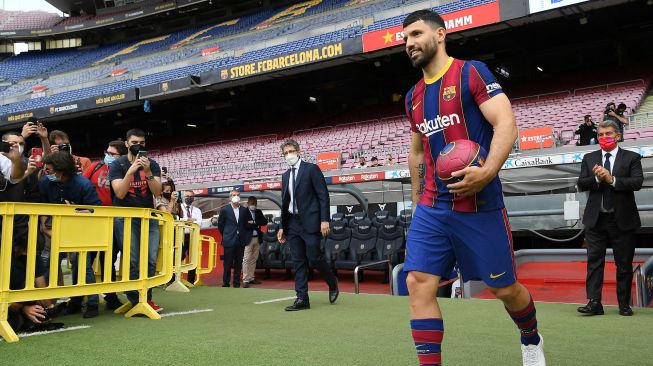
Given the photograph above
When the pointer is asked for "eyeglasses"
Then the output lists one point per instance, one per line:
(115, 155)
(288, 152)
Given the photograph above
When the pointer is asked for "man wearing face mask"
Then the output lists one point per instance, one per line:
(236, 232)
(611, 175)
(252, 248)
(304, 219)
(135, 181)
(192, 214)
(98, 174)
(62, 185)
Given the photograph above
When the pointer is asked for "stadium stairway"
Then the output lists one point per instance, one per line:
(562, 282)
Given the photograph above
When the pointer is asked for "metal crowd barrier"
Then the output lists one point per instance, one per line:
(211, 259)
(179, 284)
(82, 229)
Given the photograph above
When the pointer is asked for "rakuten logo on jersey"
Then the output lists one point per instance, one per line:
(437, 124)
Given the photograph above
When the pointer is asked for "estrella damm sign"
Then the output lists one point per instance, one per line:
(283, 62)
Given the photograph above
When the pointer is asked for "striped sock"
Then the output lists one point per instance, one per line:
(427, 334)
(527, 323)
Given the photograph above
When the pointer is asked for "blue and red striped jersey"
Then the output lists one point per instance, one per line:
(445, 109)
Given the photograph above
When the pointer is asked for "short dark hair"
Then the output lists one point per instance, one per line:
(119, 145)
(62, 161)
(10, 133)
(427, 15)
(587, 116)
(622, 106)
(290, 142)
(166, 184)
(374, 158)
(58, 134)
(135, 132)
(252, 198)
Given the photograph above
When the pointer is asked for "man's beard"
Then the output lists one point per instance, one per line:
(428, 53)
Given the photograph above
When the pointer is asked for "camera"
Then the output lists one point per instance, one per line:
(180, 196)
(64, 147)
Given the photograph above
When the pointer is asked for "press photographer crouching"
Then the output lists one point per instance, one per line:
(587, 132)
(34, 315)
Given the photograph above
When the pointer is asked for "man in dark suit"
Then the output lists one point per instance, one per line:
(611, 175)
(251, 250)
(304, 216)
(235, 225)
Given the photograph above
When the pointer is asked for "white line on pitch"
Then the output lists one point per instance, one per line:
(186, 312)
(45, 332)
(275, 300)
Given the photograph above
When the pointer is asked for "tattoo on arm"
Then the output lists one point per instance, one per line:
(421, 172)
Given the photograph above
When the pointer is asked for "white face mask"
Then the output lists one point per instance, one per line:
(252, 207)
(292, 159)
(235, 199)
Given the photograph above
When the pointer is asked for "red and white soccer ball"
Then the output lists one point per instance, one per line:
(458, 155)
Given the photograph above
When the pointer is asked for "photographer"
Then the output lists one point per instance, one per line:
(59, 141)
(169, 201)
(28, 316)
(587, 132)
(98, 174)
(616, 114)
(62, 185)
(136, 180)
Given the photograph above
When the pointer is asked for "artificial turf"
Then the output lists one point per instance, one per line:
(357, 330)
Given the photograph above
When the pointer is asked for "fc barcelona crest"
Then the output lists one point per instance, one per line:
(224, 74)
(449, 93)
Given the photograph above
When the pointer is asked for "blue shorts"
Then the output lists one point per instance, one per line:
(480, 242)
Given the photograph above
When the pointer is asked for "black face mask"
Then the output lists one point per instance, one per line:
(189, 200)
(134, 149)
(167, 195)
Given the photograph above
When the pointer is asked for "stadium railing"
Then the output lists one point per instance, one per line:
(211, 259)
(82, 229)
(192, 260)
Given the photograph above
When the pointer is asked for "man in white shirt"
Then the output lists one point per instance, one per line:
(192, 214)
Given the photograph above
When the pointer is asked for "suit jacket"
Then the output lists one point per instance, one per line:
(627, 171)
(235, 233)
(312, 197)
(259, 220)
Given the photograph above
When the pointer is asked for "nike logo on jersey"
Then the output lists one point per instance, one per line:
(437, 124)
(416, 105)
(492, 276)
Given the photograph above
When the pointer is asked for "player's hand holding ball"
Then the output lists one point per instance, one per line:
(460, 164)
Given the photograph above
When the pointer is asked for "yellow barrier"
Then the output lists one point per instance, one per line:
(192, 261)
(211, 261)
(82, 229)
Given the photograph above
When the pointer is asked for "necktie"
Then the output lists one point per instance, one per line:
(188, 216)
(292, 186)
(608, 195)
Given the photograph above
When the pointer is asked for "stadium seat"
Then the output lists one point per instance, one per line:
(270, 250)
(336, 246)
(390, 241)
(338, 216)
(361, 246)
(380, 217)
(356, 218)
